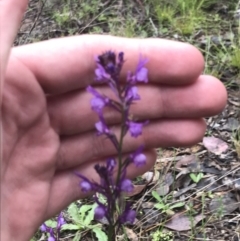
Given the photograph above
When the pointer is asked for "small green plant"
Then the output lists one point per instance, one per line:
(165, 13)
(63, 17)
(82, 220)
(236, 140)
(196, 177)
(163, 204)
(235, 58)
(163, 236)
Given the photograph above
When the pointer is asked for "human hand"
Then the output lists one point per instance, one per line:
(49, 126)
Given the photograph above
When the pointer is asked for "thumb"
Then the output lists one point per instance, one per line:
(11, 12)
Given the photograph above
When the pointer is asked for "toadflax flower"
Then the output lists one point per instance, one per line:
(128, 216)
(86, 186)
(100, 212)
(126, 185)
(54, 233)
(138, 158)
(141, 73)
(99, 101)
(112, 176)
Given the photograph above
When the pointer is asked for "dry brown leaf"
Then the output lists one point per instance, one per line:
(186, 160)
(151, 177)
(223, 204)
(136, 190)
(215, 145)
(131, 235)
(181, 222)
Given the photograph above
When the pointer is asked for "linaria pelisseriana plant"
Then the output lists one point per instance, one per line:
(113, 181)
(54, 234)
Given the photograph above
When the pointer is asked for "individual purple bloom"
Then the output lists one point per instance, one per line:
(99, 101)
(111, 163)
(138, 158)
(135, 128)
(51, 238)
(100, 212)
(100, 73)
(97, 104)
(128, 216)
(44, 227)
(85, 186)
(126, 185)
(132, 94)
(102, 128)
(60, 221)
(141, 73)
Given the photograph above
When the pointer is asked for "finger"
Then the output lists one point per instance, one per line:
(78, 149)
(66, 64)
(67, 182)
(11, 12)
(71, 113)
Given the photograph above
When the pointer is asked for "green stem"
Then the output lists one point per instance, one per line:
(112, 225)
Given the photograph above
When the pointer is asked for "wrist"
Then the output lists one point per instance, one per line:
(12, 235)
(12, 226)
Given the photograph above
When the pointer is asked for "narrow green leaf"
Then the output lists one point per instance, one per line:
(156, 196)
(159, 206)
(101, 236)
(69, 226)
(193, 177)
(196, 177)
(77, 237)
(177, 205)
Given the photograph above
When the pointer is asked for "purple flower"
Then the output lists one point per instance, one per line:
(135, 128)
(97, 104)
(132, 94)
(101, 74)
(138, 158)
(60, 221)
(111, 163)
(99, 101)
(102, 127)
(85, 186)
(43, 227)
(128, 216)
(141, 73)
(109, 65)
(51, 238)
(100, 212)
(126, 185)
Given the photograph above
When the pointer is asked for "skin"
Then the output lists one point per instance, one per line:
(48, 126)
